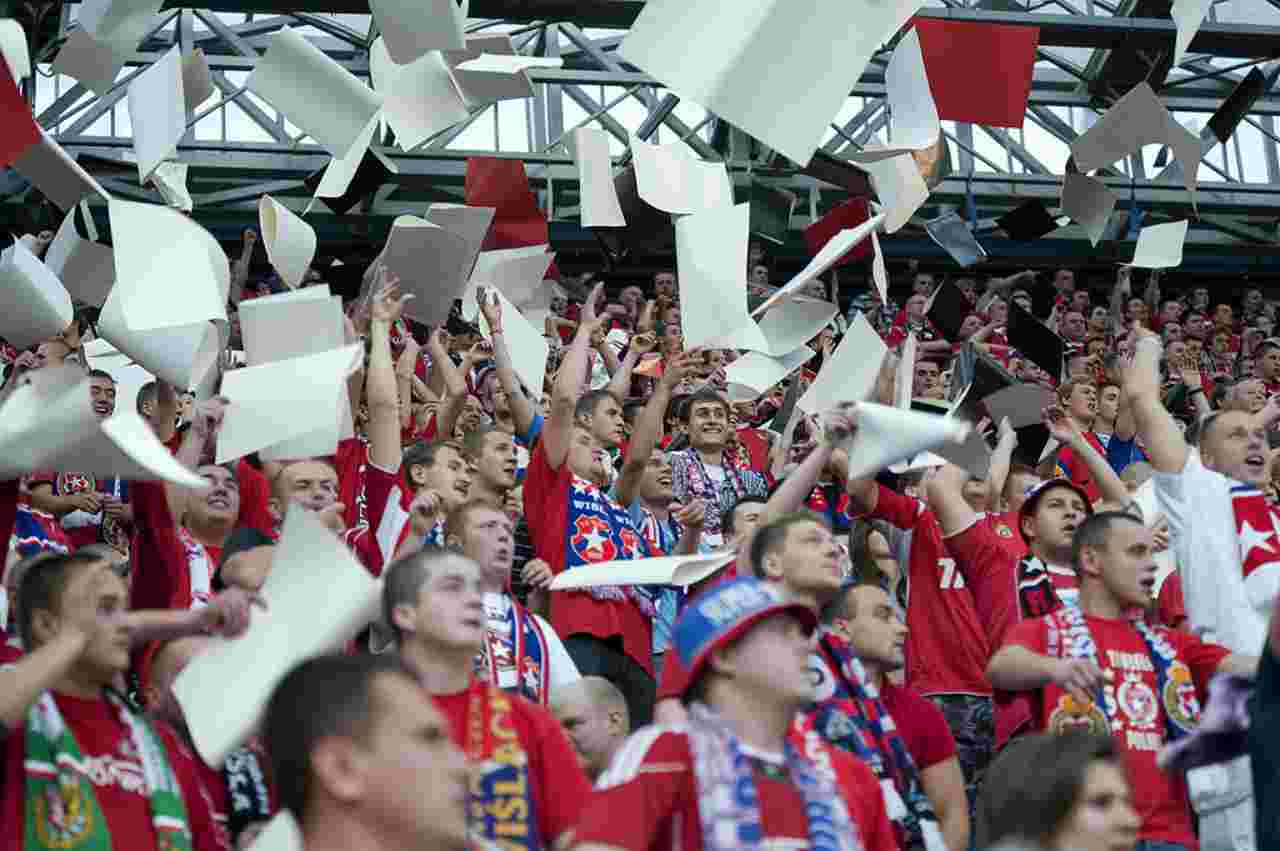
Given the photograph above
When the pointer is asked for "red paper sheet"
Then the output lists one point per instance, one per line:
(850, 214)
(502, 184)
(18, 129)
(980, 73)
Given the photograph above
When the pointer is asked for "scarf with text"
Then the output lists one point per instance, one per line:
(517, 645)
(501, 808)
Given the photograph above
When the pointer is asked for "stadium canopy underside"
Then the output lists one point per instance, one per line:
(1090, 52)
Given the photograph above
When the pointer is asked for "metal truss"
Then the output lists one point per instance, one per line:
(994, 169)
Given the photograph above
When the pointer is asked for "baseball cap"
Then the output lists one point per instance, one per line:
(723, 613)
(1034, 495)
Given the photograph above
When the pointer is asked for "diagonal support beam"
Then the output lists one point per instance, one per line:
(1015, 149)
(864, 115)
(251, 109)
(228, 34)
(247, 193)
(607, 121)
(1234, 227)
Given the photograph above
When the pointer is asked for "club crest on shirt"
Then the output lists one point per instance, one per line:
(1179, 697)
(1070, 716)
(62, 818)
(1004, 531)
(1138, 702)
(531, 674)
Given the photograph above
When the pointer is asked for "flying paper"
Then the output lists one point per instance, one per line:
(836, 248)
(915, 118)
(170, 180)
(673, 179)
(850, 214)
(21, 130)
(91, 63)
(53, 172)
(682, 571)
(13, 47)
(472, 223)
(755, 372)
(599, 195)
(1160, 246)
(711, 251)
(287, 409)
(889, 434)
(34, 305)
(157, 112)
(1135, 120)
(525, 342)
(904, 377)
(182, 355)
(86, 268)
(415, 245)
(953, 234)
(789, 326)
(1187, 16)
(879, 276)
(411, 28)
(1022, 404)
(979, 72)
(420, 99)
(517, 273)
(302, 618)
(290, 242)
(786, 105)
(304, 322)
(117, 22)
(1088, 202)
(197, 82)
(501, 183)
(491, 77)
(851, 373)
(900, 188)
(327, 101)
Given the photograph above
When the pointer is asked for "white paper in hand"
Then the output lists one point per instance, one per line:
(157, 112)
(290, 242)
(850, 374)
(34, 305)
(317, 597)
(517, 273)
(525, 342)
(599, 200)
(681, 571)
(304, 322)
(431, 262)
(671, 178)
(1160, 246)
(886, 435)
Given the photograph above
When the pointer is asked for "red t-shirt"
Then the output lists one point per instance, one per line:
(163, 556)
(1138, 720)
(555, 773)
(756, 442)
(648, 799)
(350, 462)
(922, 725)
(947, 650)
(1072, 467)
(1171, 608)
(571, 522)
(117, 775)
(1005, 526)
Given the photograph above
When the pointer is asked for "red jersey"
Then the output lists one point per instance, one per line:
(171, 570)
(1070, 466)
(756, 443)
(117, 775)
(559, 788)
(1005, 526)
(571, 522)
(947, 650)
(648, 799)
(1138, 715)
(921, 724)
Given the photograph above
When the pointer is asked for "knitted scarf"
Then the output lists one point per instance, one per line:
(62, 810)
(728, 804)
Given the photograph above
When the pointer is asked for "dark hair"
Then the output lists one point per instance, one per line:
(424, 452)
(702, 394)
(1095, 530)
(147, 394)
(771, 535)
(98, 373)
(44, 578)
(320, 698)
(729, 519)
(1034, 784)
(864, 565)
(473, 441)
(403, 581)
(591, 400)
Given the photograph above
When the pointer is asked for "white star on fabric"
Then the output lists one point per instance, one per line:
(1251, 539)
(595, 540)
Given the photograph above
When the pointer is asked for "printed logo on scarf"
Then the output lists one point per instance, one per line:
(62, 817)
(1070, 716)
(1180, 701)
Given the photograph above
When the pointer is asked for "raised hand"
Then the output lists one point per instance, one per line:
(1060, 426)
(206, 418)
(229, 613)
(537, 574)
(692, 516)
(644, 343)
(838, 424)
(490, 309)
(1079, 678)
(387, 302)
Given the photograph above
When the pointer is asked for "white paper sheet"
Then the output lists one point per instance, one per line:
(197, 82)
(303, 618)
(56, 174)
(120, 23)
(899, 186)
(792, 325)
(711, 251)
(599, 195)
(851, 372)
(419, 99)
(886, 435)
(952, 234)
(1089, 203)
(671, 178)
(1160, 246)
(290, 242)
(1022, 404)
(327, 101)
(517, 273)
(915, 117)
(491, 77)
(90, 62)
(85, 268)
(879, 275)
(13, 47)
(726, 68)
(308, 321)
(1135, 120)
(414, 27)
(837, 247)
(1187, 16)
(681, 571)
(170, 180)
(150, 243)
(281, 834)
(470, 223)
(34, 305)
(526, 343)
(416, 245)
(755, 372)
(182, 355)
(288, 408)
(340, 171)
(157, 112)
(904, 379)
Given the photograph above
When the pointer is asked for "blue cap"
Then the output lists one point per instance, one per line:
(722, 613)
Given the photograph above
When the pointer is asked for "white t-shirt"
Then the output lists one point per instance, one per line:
(497, 608)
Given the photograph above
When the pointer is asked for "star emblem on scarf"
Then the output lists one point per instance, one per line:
(1251, 538)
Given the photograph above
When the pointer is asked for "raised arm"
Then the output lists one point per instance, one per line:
(620, 381)
(240, 266)
(164, 414)
(1118, 295)
(522, 410)
(649, 425)
(380, 381)
(837, 428)
(1015, 668)
(455, 384)
(405, 367)
(1001, 458)
(946, 499)
(1063, 430)
(1161, 437)
(558, 429)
